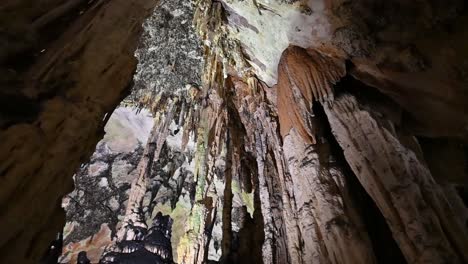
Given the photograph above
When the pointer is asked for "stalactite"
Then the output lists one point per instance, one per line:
(294, 183)
(152, 151)
(330, 224)
(255, 120)
(221, 50)
(304, 76)
(210, 141)
(167, 109)
(422, 221)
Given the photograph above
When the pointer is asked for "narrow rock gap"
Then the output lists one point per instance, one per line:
(244, 246)
(463, 193)
(385, 248)
(227, 199)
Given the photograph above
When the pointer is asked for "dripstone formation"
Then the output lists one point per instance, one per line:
(332, 132)
(146, 246)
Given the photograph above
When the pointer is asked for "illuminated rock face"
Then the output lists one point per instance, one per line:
(102, 185)
(289, 132)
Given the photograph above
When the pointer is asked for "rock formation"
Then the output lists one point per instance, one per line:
(102, 185)
(145, 246)
(65, 67)
(265, 132)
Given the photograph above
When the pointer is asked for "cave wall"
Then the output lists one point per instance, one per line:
(58, 90)
(285, 59)
(294, 107)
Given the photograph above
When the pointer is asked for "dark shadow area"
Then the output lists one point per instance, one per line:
(385, 248)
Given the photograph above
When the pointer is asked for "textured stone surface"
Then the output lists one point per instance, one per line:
(421, 219)
(93, 245)
(305, 77)
(250, 171)
(330, 223)
(280, 24)
(102, 185)
(81, 75)
(148, 245)
(169, 53)
(169, 189)
(412, 52)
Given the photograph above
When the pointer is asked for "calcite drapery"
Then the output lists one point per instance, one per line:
(134, 241)
(414, 205)
(304, 76)
(312, 224)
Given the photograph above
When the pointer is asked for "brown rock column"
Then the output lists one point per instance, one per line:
(331, 228)
(422, 221)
